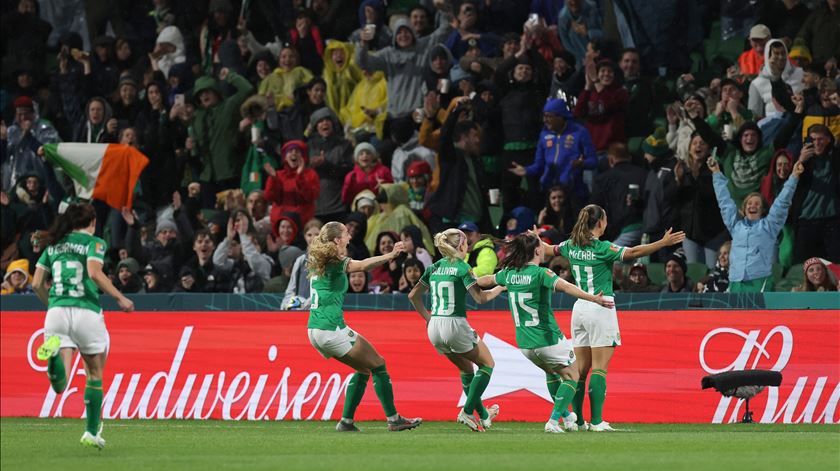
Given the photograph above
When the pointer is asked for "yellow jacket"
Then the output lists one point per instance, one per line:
(340, 81)
(371, 93)
(283, 84)
(20, 265)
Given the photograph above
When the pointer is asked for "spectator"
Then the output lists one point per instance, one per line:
(358, 282)
(209, 277)
(372, 12)
(384, 278)
(776, 67)
(285, 231)
(751, 61)
(409, 151)
(294, 121)
(288, 76)
(293, 262)
(578, 23)
(257, 207)
(467, 29)
(217, 29)
(619, 191)
(19, 145)
(718, 280)
(341, 74)
(564, 149)
(754, 231)
(155, 277)
(557, 212)
(402, 63)
(365, 203)
(367, 174)
(729, 109)
(356, 224)
(418, 17)
(126, 107)
(640, 93)
(412, 270)
(824, 109)
(675, 274)
(155, 124)
(660, 188)
(128, 277)
(412, 239)
(820, 31)
(240, 254)
(215, 129)
(637, 281)
(481, 255)
(306, 38)
(99, 125)
(294, 188)
(680, 127)
(166, 245)
(17, 279)
(817, 277)
(563, 68)
(394, 215)
(364, 113)
(771, 186)
(169, 50)
(816, 201)
(436, 76)
(602, 105)
(419, 173)
(330, 156)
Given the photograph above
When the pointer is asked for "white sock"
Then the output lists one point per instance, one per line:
(393, 418)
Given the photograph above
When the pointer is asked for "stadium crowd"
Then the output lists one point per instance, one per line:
(265, 119)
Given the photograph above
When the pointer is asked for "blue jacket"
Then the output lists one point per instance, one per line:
(573, 42)
(554, 156)
(753, 242)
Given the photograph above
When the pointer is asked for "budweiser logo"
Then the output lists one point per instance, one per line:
(183, 395)
(755, 351)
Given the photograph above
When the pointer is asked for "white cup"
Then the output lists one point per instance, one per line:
(727, 132)
(495, 195)
(370, 28)
(443, 86)
(255, 135)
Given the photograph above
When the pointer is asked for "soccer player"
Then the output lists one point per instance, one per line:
(449, 279)
(595, 327)
(529, 289)
(328, 266)
(74, 258)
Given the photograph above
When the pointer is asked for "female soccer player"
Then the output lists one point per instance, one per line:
(537, 335)
(74, 258)
(449, 279)
(328, 266)
(595, 327)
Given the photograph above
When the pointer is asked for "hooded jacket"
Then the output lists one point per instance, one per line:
(771, 184)
(86, 132)
(356, 249)
(22, 266)
(395, 217)
(403, 67)
(761, 93)
(338, 161)
(371, 93)
(341, 81)
(282, 84)
(357, 180)
(289, 190)
(171, 35)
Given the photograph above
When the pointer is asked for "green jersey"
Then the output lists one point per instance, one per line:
(67, 260)
(529, 294)
(592, 265)
(449, 282)
(327, 297)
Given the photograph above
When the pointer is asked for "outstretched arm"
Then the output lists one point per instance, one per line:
(486, 281)
(563, 286)
(39, 285)
(669, 239)
(482, 296)
(99, 277)
(372, 262)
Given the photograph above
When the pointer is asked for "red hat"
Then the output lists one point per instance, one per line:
(295, 144)
(419, 167)
(809, 262)
(24, 102)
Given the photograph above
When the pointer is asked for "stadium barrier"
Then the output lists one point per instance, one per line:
(259, 366)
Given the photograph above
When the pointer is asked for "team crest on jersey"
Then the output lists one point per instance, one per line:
(614, 248)
(550, 273)
(570, 141)
(100, 248)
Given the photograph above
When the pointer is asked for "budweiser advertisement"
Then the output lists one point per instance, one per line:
(260, 366)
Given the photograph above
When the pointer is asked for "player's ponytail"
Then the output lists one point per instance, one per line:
(519, 251)
(323, 249)
(76, 216)
(587, 221)
(448, 241)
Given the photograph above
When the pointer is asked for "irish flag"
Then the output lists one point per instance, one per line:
(107, 172)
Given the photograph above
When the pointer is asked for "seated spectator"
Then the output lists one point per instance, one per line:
(358, 282)
(602, 105)
(776, 67)
(754, 231)
(412, 240)
(356, 224)
(155, 277)
(288, 76)
(331, 155)
(751, 61)
(209, 277)
(384, 278)
(394, 215)
(341, 74)
(557, 212)
(372, 12)
(186, 281)
(817, 277)
(367, 174)
(17, 279)
(637, 281)
(239, 253)
(680, 127)
(481, 255)
(412, 270)
(718, 280)
(676, 270)
(128, 277)
(364, 113)
(294, 188)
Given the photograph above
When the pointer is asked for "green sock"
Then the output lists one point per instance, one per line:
(384, 390)
(56, 373)
(355, 390)
(466, 380)
(577, 402)
(565, 393)
(553, 380)
(477, 387)
(93, 404)
(597, 392)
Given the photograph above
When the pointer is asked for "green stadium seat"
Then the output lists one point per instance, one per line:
(696, 271)
(656, 273)
(778, 273)
(792, 279)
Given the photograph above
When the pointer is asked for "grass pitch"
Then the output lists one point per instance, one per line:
(53, 444)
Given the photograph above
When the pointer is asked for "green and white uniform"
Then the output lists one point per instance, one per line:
(537, 335)
(448, 329)
(327, 331)
(73, 311)
(592, 324)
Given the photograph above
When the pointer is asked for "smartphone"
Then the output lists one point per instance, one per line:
(179, 99)
(807, 140)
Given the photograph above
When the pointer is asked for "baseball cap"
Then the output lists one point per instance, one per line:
(759, 31)
(468, 226)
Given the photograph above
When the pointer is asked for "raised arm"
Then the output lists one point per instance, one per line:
(416, 299)
(372, 262)
(563, 286)
(482, 296)
(728, 211)
(669, 239)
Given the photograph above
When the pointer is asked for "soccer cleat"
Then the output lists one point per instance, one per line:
(604, 426)
(49, 348)
(404, 424)
(343, 426)
(492, 413)
(468, 420)
(553, 428)
(93, 441)
(570, 422)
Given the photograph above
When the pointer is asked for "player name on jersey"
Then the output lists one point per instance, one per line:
(582, 254)
(67, 247)
(517, 279)
(451, 271)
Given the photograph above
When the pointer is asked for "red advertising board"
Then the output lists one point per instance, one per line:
(260, 366)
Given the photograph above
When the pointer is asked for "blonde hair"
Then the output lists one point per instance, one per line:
(314, 222)
(448, 241)
(587, 220)
(323, 249)
(742, 211)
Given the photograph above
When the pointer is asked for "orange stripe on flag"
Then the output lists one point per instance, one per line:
(121, 167)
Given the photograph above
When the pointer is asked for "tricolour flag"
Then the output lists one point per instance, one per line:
(107, 172)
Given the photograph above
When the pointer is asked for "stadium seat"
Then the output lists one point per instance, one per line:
(792, 279)
(696, 271)
(656, 273)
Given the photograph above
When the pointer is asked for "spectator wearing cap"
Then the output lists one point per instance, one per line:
(680, 126)
(19, 144)
(564, 150)
(820, 31)
(186, 281)
(126, 106)
(817, 277)
(468, 29)
(481, 254)
(368, 173)
(365, 203)
(372, 12)
(293, 188)
(341, 74)
(216, 126)
(408, 150)
(279, 87)
(718, 279)
(403, 63)
(754, 231)
(156, 277)
(578, 23)
(364, 112)
(776, 67)
(729, 109)
(563, 69)
(169, 50)
(331, 156)
(602, 105)
(619, 191)
(17, 279)
(676, 271)
(128, 277)
(751, 61)
(419, 174)
(637, 281)
(660, 188)
(167, 241)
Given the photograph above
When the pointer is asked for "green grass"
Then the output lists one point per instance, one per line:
(53, 444)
